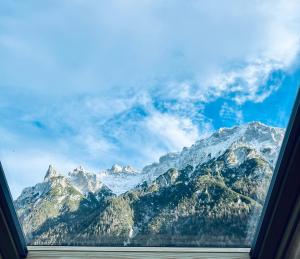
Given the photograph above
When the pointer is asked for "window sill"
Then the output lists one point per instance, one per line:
(65, 252)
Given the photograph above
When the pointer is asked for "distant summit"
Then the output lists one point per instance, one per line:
(118, 169)
(51, 172)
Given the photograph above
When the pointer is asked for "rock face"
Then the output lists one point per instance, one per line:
(210, 194)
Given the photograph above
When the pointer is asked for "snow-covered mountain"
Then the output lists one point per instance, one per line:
(264, 139)
(220, 182)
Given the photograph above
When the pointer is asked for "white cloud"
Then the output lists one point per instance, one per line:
(93, 144)
(248, 83)
(279, 47)
(138, 44)
(172, 131)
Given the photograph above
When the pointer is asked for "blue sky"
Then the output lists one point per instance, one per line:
(94, 83)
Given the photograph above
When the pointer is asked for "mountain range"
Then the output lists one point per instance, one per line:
(209, 194)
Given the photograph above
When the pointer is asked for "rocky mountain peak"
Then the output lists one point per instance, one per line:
(118, 169)
(129, 169)
(51, 173)
(79, 170)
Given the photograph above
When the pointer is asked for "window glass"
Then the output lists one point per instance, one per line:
(144, 123)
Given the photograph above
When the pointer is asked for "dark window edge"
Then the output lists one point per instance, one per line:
(12, 238)
(272, 232)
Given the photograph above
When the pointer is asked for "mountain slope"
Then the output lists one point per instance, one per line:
(210, 194)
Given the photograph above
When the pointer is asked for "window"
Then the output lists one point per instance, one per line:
(144, 124)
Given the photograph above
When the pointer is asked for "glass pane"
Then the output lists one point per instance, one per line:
(144, 123)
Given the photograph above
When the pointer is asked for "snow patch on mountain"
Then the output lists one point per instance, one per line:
(120, 178)
(84, 181)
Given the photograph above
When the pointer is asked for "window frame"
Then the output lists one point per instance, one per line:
(39, 252)
(12, 241)
(277, 223)
(280, 214)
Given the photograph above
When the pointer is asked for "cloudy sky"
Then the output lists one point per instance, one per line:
(95, 83)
